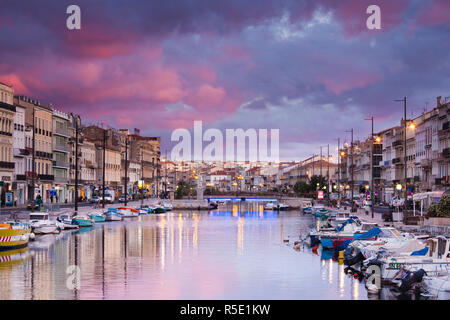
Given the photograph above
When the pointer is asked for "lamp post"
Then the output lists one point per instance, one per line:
(125, 185)
(33, 162)
(77, 118)
(412, 126)
(371, 167)
(103, 168)
(351, 166)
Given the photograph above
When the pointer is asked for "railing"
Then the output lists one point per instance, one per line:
(397, 143)
(62, 131)
(62, 147)
(46, 177)
(61, 164)
(397, 160)
(446, 125)
(6, 165)
(446, 152)
(425, 163)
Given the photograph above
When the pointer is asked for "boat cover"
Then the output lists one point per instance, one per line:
(341, 227)
(327, 243)
(367, 235)
(422, 252)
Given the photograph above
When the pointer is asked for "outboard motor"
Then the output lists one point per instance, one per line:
(354, 260)
(410, 279)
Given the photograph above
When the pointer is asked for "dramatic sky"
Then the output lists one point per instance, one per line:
(310, 68)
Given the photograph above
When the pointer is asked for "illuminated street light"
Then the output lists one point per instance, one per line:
(398, 187)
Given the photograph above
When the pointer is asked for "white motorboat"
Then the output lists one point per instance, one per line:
(276, 206)
(435, 262)
(437, 286)
(167, 205)
(389, 240)
(41, 224)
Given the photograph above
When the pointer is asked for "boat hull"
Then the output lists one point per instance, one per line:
(45, 229)
(113, 217)
(82, 223)
(11, 239)
(97, 218)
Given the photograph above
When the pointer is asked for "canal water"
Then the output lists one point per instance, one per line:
(228, 254)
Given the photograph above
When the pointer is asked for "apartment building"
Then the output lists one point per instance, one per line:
(7, 112)
(61, 153)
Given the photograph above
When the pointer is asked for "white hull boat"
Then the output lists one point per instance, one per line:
(113, 216)
(128, 212)
(437, 286)
(41, 224)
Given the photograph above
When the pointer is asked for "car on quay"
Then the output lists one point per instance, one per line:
(95, 199)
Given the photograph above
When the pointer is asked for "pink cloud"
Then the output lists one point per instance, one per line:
(15, 81)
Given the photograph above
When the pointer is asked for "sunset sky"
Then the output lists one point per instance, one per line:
(310, 68)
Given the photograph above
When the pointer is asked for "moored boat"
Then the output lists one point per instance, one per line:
(127, 212)
(14, 235)
(159, 210)
(41, 224)
(65, 222)
(97, 217)
(83, 221)
(113, 215)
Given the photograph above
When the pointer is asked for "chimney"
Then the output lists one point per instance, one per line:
(438, 101)
(137, 131)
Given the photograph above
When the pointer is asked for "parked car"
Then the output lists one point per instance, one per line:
(36, 206)
(95, 199)
(122, 198)
(109, 198)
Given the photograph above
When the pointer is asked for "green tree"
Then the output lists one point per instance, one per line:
(301, 187)
(443, 207)
(317, 180)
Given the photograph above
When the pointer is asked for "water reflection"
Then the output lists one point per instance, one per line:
(235, 254)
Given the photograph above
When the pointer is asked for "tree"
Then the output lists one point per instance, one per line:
(183, 189)
(443, 207)
(317, 180)
(301, 187)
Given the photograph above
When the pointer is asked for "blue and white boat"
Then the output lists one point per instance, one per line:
(113, 215)
(83, 221)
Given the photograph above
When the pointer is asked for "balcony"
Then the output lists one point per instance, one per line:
(20, 152)
(62, 132)
(446, 152)
(446, 125)
(91, 165)
(60, 180)
(21, 177)
(6, 165)
(397, 161)
(46, 177)
(60, 164)
(387, 163)
(397, 143)
(45, 155)
(425, 163)
(62, 147)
